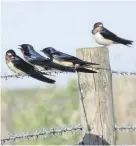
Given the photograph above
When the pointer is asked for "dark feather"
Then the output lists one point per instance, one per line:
(108, 34)
(69, 58)
(30, 70)
(85, 70)
(111, 36)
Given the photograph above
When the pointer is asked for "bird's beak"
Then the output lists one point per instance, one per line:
(20, 47)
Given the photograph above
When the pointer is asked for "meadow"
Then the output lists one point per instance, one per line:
(28, 110)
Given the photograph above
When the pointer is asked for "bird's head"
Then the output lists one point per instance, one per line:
(97, 27)
(10, 55)
(26, 49)
(48, 50)
(98, 24)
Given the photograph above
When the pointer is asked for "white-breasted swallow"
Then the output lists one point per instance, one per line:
(19, 66)
(105, 37)
(64, 58)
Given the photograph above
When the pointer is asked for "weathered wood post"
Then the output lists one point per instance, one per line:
(98, 98)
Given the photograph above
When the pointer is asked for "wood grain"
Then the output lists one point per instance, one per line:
(98, 98)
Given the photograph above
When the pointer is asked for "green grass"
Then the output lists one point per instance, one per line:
(44, 108)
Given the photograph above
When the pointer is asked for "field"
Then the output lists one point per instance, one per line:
(33, 109)
(30, 110)
(124, 93)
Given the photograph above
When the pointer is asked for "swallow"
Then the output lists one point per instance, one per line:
(19, 66)
(105, 37)
(65, 59)
(35, 58)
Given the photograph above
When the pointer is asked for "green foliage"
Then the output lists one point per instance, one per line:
(44, 108)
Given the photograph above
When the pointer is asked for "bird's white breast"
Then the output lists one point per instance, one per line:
(65, 63)
(101, 40)
(40, 68)
(14, 69)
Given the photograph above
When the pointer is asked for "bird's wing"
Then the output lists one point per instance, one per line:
(30, 70)
(65, 57)
(36, 60)
(108, 34)
(73, 59)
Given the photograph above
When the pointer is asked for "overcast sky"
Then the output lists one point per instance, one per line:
(66, 26)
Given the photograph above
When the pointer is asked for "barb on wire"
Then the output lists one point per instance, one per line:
(125, 128)
(123, 73)
(116, 72)
(43, 132)
(10, 76)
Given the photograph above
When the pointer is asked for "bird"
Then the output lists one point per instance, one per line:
(105, 37)
(19, 66)
(35, 58)
(65, 59)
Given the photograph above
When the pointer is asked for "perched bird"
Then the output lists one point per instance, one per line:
(19, 66)
(36, 59)
(105, 37)
(64, 58)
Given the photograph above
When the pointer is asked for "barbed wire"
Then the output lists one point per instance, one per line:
(125, 128)
(123, 73)
(43, 132)
(58, 131)
(49, 73)
(52, 73)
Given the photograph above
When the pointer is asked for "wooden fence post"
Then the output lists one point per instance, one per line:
(98, 98)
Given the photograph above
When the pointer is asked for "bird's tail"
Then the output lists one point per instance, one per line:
(85, 70)
(86, 63)
(124, 41)
(70, 69)
(89, 63)
(42, 78)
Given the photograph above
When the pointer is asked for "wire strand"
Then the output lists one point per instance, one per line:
(6, 77)
(43, 132)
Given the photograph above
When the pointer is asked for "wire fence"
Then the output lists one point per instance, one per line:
(52, 73)
(43, 133)
(124, 73)
(125, 128)
(60, 131)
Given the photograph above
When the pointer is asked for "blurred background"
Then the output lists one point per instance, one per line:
(28, 104)
(28, 110)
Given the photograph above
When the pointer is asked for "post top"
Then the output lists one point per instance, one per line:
(99, 47)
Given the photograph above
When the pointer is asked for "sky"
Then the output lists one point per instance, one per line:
(65, 26)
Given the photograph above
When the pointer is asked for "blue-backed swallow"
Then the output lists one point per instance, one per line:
(35, 58)
(105, 37)
(19, 66)
(63, 58)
